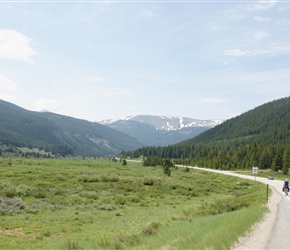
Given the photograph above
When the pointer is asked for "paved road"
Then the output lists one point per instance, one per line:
(280, 236)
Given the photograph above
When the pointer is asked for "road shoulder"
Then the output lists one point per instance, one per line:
(259, 234)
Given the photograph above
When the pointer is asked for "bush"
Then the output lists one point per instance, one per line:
(88, 178)
(73, 245)
(106, 207)
(11, 206)
(151, 229)
(166, 170)
(167, 164)
(129, 239)
(148, 181)
(105, 178)
(39, 194)
(222, 206)
(10, 192)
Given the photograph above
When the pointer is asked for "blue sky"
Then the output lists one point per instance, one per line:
(99, 60)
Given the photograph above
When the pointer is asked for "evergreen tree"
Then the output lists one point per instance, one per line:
(286, 161)
(277, 161)
(124, 162)
(265, 159)
(167, 163)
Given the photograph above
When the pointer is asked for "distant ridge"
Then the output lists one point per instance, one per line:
(167, 123)
(160, 130)
(60, 134)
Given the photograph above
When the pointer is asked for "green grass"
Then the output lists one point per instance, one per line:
(100, 204)
(206, 232)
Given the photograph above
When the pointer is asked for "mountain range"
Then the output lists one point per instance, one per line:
(259, 137)
(160, 130)
(65, 135)
(59, 134)
(264, 130)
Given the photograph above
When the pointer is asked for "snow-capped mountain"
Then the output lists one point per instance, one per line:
(160, 130)
(167, 123)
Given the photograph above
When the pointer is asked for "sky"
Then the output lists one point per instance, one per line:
(98, 60)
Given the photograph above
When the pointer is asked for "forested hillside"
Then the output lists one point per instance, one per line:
(259, 137)
(59, 134)
(266, 124)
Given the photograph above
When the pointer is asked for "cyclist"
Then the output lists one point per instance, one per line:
(286, 185)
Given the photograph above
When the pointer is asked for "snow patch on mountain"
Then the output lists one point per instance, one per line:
(168, 123)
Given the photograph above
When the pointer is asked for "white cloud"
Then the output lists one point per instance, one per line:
(237, 52)
(47, 104)
(96, 79)
(262, 19)
(214, 27)
(147, 13)
(7, 84)
(260, 35)
(15, 46)
(284, 22)
(274, 50)
(263, 5)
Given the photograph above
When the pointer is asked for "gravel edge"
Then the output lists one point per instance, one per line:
(258, 235)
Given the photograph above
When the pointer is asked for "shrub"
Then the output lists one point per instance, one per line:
(89, 178)
(89, 195)
(11, 206)
(44, 184)
(129, 239)
(106, 207)
(23, 190)
(104, 242)
(120, 200)
(148, 181)
(105, 178)
(133, 198)
(166, 170)
(244, 183)
(73, 245)
(47, 233)
(151, 229)
(10, 192)
(222, 206)
(39, 194)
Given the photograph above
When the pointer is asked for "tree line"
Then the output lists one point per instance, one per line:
(259, 137)
(275, 157)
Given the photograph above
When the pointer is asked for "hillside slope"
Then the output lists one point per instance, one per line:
(49, 131)
(259, 137)
(266, 124)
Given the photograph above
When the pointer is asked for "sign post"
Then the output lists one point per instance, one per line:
(255, 172)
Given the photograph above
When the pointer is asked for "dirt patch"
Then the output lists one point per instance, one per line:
(12, 232)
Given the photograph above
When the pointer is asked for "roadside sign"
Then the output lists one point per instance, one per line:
(255, 170)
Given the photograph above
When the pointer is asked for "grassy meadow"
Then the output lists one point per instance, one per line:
(100, 204)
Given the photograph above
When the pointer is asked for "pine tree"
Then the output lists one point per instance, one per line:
(124, 162)
(286, 161)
